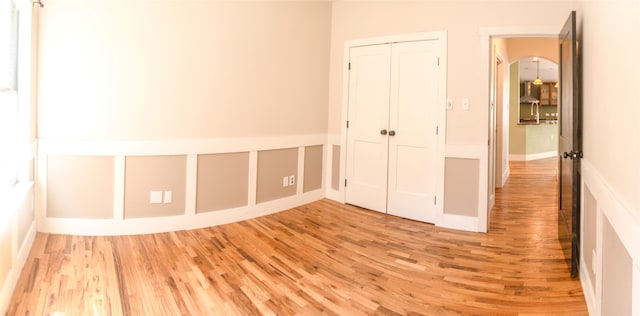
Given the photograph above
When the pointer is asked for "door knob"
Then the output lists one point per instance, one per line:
(392, 133)
(383, 132)
(572, 154)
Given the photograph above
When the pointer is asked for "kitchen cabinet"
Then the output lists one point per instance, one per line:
(548, 94)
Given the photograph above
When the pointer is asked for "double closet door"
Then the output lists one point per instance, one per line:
(392, 132)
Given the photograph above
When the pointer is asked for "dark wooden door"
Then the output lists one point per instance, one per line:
(570, 144)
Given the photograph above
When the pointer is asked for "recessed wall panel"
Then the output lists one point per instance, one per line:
(223, 181)
(146, 174)
(273, 166)
(80, 186)
(312, 168)
(617, 267)
(461, 186)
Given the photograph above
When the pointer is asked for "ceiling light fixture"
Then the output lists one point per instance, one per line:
(537, 82)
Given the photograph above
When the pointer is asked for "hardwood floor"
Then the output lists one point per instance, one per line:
(321, 258)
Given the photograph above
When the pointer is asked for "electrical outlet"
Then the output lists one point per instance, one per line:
(155, 197)
(291, 180)
(168, 196)
(285, 181)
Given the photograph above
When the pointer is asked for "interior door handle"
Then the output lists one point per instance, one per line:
(383, 132)
(392, 133)
(572, 154)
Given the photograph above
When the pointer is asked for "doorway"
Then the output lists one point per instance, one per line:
(505, 99)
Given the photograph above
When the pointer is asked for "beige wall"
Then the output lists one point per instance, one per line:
(144, 174)
(273, 165)
(182, 69)
(312, 168)
(533, 47)
(223, 181)
(461, 186)
(80, 186)
(610, 93)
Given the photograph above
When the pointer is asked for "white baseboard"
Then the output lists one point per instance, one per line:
(460, 222)
(537, 156)
(150, 225)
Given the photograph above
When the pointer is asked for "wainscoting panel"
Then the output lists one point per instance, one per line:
(80, 186)
(313, 172)
(195, 183)
(223, 181)
(610, 269)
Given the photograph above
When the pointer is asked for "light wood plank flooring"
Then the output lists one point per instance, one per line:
(321, 258)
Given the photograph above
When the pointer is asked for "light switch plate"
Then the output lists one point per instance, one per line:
(465, 104)
(168, 196)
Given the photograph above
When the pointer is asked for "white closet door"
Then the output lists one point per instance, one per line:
(368, 113)
(412, 178)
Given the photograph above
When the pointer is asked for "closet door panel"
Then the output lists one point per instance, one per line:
(368, 113)
(413, 117)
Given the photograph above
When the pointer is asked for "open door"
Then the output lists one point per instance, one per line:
(570, 144)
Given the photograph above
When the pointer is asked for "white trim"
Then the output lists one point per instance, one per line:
(544, 155)
(149, 225)
(329, 191)
(441, 37)
(176, 146)
(455, 221)
(299, 182)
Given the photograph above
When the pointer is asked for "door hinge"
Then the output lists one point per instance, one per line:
(435, 200)
(436, 129)
(438, 61)
(349, 66)
(347, 124)
(345, 183)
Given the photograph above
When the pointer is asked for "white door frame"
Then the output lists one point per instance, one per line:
(486, 35)
(441, 36)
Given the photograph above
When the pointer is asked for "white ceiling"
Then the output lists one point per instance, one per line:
(548, 70)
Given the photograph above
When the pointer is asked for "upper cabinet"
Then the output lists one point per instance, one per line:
(548, 94)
